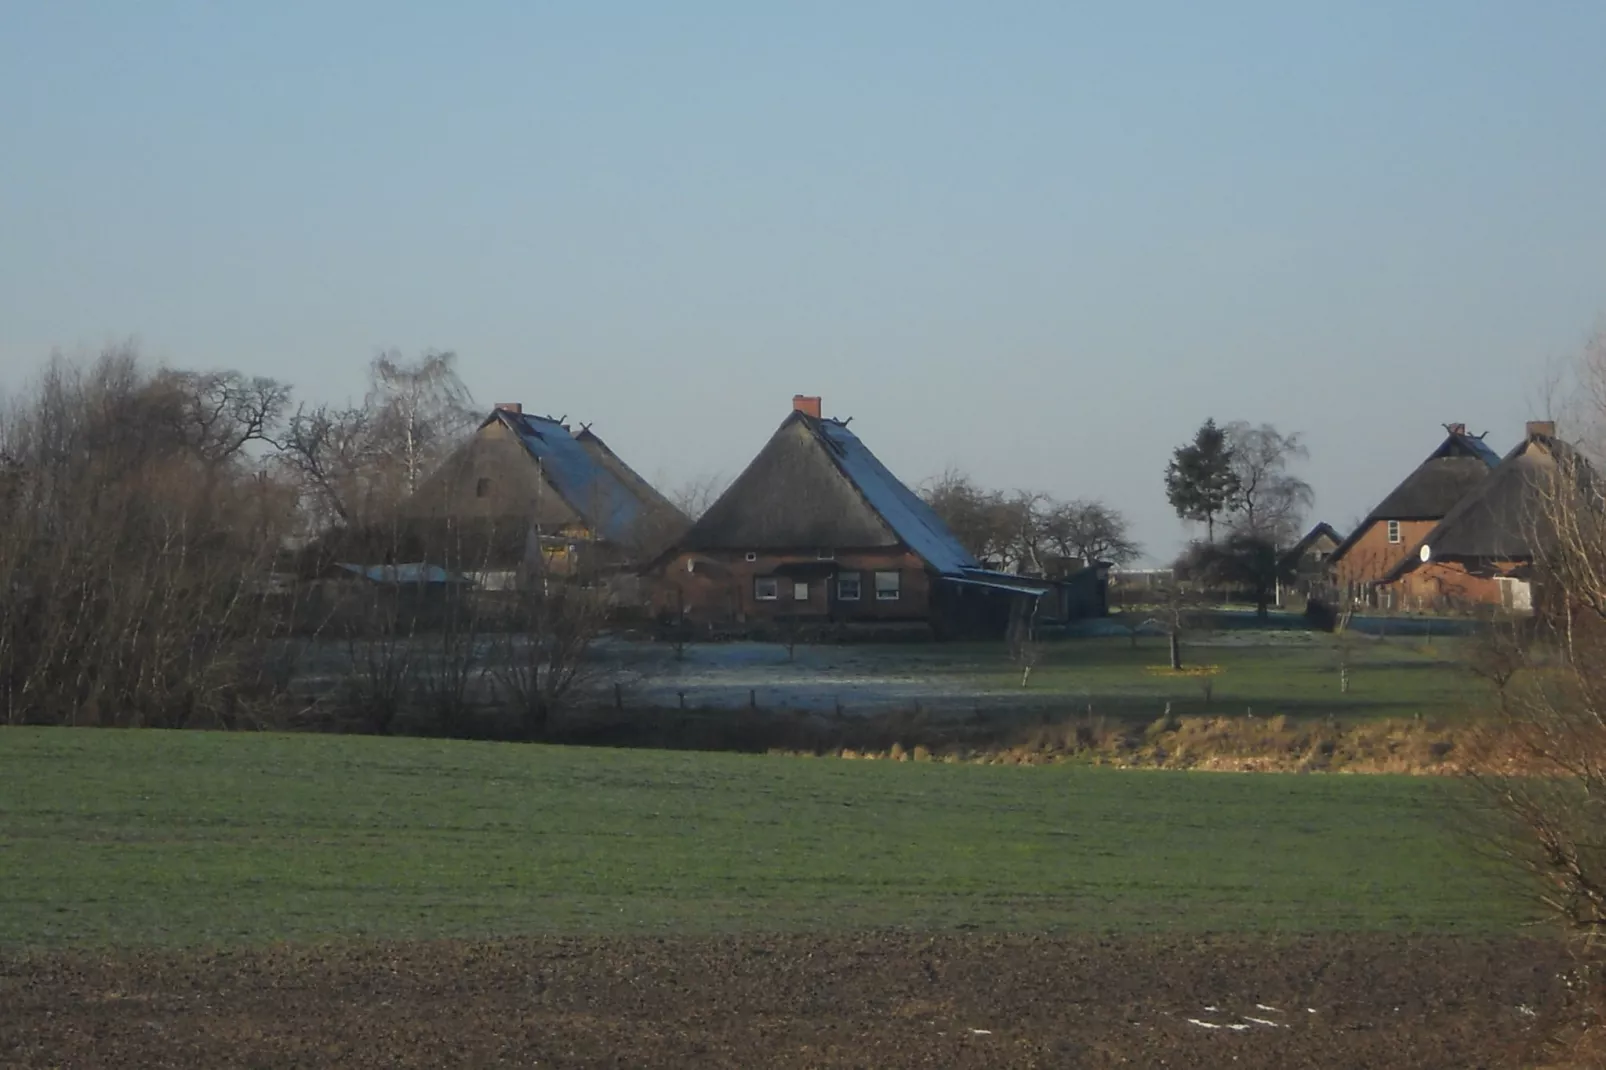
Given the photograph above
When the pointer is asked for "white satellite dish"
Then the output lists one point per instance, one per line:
(1426, 552)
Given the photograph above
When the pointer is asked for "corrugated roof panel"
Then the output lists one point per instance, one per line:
(904, 511)
(410, 573)
(994, 581)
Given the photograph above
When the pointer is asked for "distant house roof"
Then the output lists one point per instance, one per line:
(589, 487)
(1321, 531)
(814, 485)
(416, 572)
(1503, 518)
(1434, 486)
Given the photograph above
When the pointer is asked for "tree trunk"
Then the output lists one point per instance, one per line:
(1176, 650)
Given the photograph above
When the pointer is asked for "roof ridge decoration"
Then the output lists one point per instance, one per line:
(585, 484)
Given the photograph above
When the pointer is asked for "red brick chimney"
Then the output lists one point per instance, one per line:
(806, 405)
(1545, 428)
(510, 406)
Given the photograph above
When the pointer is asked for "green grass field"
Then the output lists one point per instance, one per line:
(138, 837)
(1388, 678)
(1293, 673)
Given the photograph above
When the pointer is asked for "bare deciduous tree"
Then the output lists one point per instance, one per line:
(219, 414)
(1268, 502)
(546, 662)
(333, 455)
(1542, 763)
(978, 517)
(419, 409)
(356, 463)
(129, 554)
(1089, 531)
(693, 496)
(1024, 529)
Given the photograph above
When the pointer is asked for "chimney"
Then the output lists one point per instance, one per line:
(510, 406)
(806, 405)
(1541, 428)
(1456, 429)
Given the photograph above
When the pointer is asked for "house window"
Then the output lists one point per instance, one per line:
(751, 556)
(825, 555)
(766, 588)
(1394, 531)
(887, 586)
(847, 587)
(482, 487)
(800, 591)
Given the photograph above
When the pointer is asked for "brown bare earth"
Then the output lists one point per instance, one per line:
(875, 1000)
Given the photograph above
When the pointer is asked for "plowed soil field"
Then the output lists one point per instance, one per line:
(874, 1000)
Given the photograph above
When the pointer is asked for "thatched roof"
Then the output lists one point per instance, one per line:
(1503, 518)
(589, 488)
(1434, 486)
(545, 476)
(815, 486)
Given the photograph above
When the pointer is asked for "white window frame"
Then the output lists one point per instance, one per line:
(856, 579)
(800, 590)
(892, 593)
(825, 555)
(1393, 530)
(769, 584)
(751, 556)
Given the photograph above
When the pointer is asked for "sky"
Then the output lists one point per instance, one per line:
(1037, 242)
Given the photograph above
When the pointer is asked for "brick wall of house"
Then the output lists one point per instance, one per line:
(1446, 585)
(1372, 555)
(722, 587)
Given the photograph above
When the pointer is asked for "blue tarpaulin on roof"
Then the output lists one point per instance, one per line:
(589, 488)
(909, 517)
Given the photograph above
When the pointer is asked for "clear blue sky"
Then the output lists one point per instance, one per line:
(1040, 242)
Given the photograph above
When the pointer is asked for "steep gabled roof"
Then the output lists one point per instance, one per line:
(645, 492)
(814, 485)
(1434, 486)
(595, 493)
(1315, 534)
(1503, 518)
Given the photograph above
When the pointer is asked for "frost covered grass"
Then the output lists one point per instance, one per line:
(129, 838)
(1387, 677)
